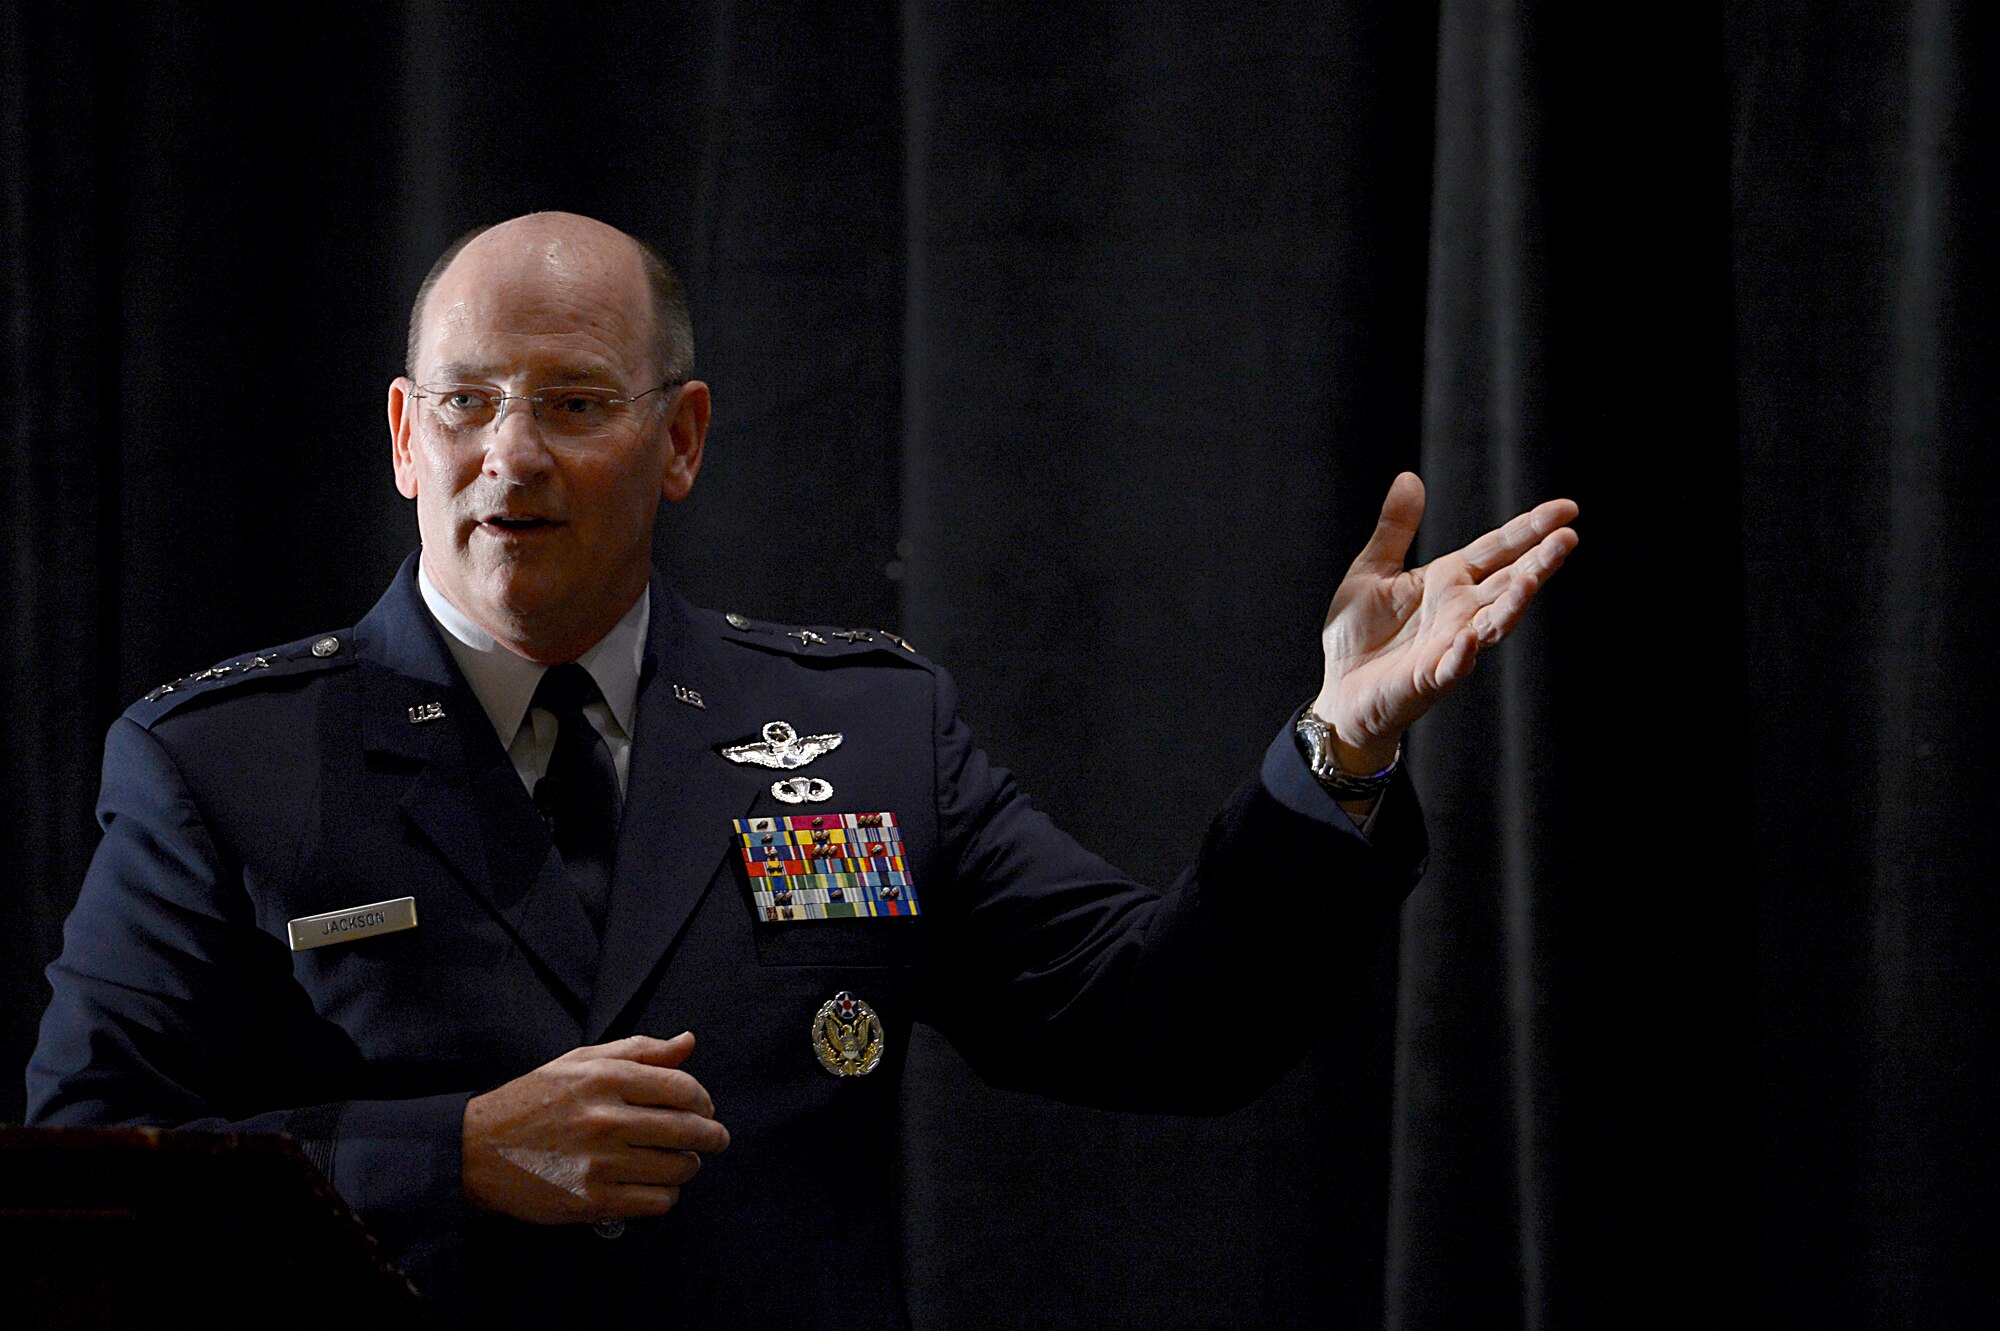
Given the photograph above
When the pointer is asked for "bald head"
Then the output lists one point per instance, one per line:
(566, 248)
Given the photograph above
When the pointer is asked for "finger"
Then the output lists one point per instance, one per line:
(656, 1088)
(1504, 544)
(1539, 563)
(623, 1200)
(669, 1169)
(658, 1053)
(1493, 622)
(666, 1129)
(1396, 528)
(1456, 663)
(640, 1049)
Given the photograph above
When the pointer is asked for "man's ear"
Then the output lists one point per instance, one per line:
(402, 421)
(687, 431)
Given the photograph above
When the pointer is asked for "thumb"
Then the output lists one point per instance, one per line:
(1396, 528)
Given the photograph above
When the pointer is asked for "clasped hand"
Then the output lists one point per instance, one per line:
(1397, 639)
(603, 1132)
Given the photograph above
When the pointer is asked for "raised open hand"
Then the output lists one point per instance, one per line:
(1397, 639)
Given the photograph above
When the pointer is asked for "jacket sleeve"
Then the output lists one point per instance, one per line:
(172, 1008)
(1057, 973)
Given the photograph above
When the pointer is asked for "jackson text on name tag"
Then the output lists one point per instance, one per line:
(346, 926)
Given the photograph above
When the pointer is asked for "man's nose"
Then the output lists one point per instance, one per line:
(515, 449)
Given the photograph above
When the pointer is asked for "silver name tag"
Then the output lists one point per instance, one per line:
(344, 926)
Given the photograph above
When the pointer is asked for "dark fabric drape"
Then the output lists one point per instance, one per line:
(1080, 344)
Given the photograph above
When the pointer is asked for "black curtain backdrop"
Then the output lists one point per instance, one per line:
(1079, 344)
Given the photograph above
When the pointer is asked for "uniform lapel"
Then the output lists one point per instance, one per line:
(467, 800)
(680, 800)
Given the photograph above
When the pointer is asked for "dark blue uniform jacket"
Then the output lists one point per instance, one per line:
(294, 784)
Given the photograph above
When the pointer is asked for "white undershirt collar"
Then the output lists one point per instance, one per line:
(505, 683)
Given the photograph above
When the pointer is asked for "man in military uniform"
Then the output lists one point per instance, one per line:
(446, 895)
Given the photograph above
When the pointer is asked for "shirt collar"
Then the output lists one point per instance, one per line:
(505, 683)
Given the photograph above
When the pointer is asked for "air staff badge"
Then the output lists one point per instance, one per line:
(847, 1036)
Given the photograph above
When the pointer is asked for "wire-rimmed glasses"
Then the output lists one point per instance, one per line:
(577, 411)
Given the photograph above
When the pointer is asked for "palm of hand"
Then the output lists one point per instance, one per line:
(1388, 640)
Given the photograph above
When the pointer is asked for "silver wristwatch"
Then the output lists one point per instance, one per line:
(1316, 742)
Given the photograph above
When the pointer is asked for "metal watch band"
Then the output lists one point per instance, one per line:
(1316, 741)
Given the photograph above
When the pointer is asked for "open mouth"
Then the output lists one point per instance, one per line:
(516, 526)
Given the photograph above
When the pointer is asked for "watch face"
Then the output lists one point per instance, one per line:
(1311, 735)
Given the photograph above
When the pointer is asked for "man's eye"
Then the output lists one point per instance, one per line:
(576, 404)
(464, 401)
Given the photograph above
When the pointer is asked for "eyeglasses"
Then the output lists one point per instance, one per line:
(574, 411)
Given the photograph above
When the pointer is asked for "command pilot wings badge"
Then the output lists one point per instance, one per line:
(783, 747)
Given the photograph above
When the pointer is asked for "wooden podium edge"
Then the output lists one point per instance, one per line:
(286, 1159)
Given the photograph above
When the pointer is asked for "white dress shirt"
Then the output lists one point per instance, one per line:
(505, 683)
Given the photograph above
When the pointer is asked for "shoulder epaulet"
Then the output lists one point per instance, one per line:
(819, 641)
(322, 651)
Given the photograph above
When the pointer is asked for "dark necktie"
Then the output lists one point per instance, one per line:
(579, 795)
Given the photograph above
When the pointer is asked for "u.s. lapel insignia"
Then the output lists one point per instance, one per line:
(847, 1036)
(802, 790)
(689, 696)
(783, 747)
(426, 711)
